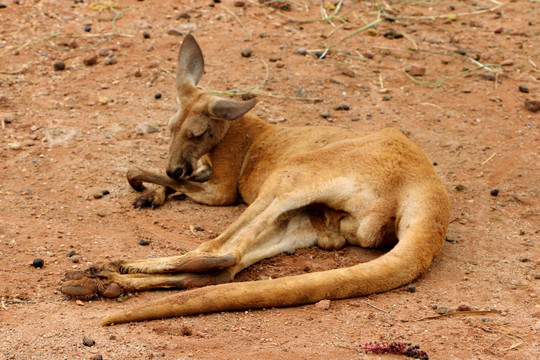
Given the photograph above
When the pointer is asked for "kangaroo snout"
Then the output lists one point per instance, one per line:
(177, 172)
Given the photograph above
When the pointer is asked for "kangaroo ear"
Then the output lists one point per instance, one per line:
(231, 109)
(190, 62)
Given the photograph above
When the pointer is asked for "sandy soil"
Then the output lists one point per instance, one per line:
(68, 134)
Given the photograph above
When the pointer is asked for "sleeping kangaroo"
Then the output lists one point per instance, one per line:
(305, 186)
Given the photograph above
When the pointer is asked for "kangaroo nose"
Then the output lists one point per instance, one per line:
(175, 173)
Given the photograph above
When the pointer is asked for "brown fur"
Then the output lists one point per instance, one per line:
(305, 186)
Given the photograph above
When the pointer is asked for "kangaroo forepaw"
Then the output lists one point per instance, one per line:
(150, 199)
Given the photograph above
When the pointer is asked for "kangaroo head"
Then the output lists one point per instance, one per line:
(202, 120)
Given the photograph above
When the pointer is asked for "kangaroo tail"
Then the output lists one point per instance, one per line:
(421, 237)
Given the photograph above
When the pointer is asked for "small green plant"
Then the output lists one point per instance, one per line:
(397, 348)
(277, 4)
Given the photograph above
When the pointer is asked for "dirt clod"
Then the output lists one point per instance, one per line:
(90, 60)
(464, 307)
(59, 66)
(417, 70)
(246, 53)
(532, 105)
(323, 305)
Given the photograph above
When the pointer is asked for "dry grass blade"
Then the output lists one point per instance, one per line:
(442, 80)
(30, 43)
(250, 37)
(456, 313)
(352, 33)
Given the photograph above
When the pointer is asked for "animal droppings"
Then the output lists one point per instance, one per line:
(38, 263)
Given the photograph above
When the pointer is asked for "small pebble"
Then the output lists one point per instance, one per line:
(320, 55)
(369, 55)
(494, 192)
(301, 51)
(105, 192)
(239, 3)
(70, 253)
(3, 6)
(280, 64)
(87, 28)
(59, 66)
(323, 305)
(507, 62)
(110, 60)
(184, 15)
(90, 60)
(498, 30)
(88, 342)
(372, 32)
(144, 242)
(417, 70)
(101, 213)
(15, 145)
(146, 35)
(157, 96)
(325, 115)
(74, 259)
(38, 263)
(443, 310)
(411, 288)
(392, 34)
(107, 51)
(342, 107)
(146, 129)
(435, 163)
(464, 307)
(247, 53)
(523, 89)
(97, 357)
(98, 195)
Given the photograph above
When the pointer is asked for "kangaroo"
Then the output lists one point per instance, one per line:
(305, 186)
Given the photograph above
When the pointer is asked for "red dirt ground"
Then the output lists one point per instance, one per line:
(68, 134)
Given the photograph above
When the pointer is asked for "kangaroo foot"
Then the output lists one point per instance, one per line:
(81, 285)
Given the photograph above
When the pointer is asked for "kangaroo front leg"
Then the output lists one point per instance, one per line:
(208, 192)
